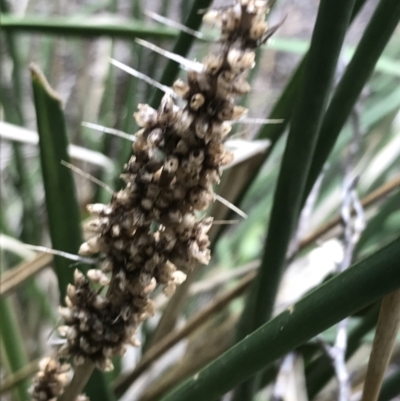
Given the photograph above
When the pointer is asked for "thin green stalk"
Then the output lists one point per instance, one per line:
(85, 27)
(377, 34)
(332, 22)
(13, 345)
(317, 79)
(62, 207)
(362, 284)
(16, 72)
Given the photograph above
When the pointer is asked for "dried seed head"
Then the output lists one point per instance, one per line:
(168, 239)
(241, 61)
(258, 29)
(226, 158)
(202, 255)
(123, 196)
(150, 226)
(166, 111)
(90, 247)
(181, 88)
(155, 137)
(71, 292)
(93, 226)
(62, 330)
(201, 198)
(171, 165)
(197, 101)
(97, 276)
(150, 288)
(66, 314)
(241, 86)
(213, 64)
(179, 277)
(99, 208)
(196, 158)
(79, 278)
(50, 381)
(238, 112)
(212, 17)
(183, 121)
(107, 266)
(134, 341)
(115, 230)
(188, 221)
(146, 116)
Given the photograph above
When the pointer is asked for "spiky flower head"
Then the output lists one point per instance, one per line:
(149, 234)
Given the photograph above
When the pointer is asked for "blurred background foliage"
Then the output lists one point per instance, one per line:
(72, 43)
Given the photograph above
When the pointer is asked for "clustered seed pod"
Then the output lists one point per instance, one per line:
(50, 381)
(149, 234)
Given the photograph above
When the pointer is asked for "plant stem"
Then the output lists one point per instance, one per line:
(382, 347)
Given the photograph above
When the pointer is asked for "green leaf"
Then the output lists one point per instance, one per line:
(331, 25)
(362, 284)
(376, 36)
(14, 351)
(283, 107)
(86, 26)
(328, 35)
(62, 206)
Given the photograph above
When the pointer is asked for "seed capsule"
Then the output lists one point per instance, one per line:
(71, 292)
(179, 277)
(181, 88)
(258, 29)
(99, 208)
(197, 101)
(213, 64)
(212, 17)
(90, 247)
(79, 278)
(241, 86)
(201, 198)
(183, 121)
(202, 128)
(146, 116)
(98, 277)
(155, 137)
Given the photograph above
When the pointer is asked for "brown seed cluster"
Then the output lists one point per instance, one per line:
(149, 235)
(50, 381)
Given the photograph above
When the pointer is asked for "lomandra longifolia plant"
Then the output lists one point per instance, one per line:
(149, 235)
